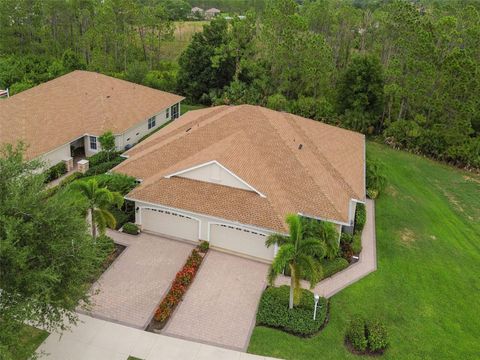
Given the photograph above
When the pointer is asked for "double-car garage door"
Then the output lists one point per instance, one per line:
(232, 238)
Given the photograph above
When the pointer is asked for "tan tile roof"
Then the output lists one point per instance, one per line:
(301, 165)
(223, 202)
(81, 102)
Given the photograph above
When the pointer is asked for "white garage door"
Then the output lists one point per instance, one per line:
(240, 240)
(170, 224)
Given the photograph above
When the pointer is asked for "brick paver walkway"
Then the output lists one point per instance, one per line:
(221, 304)
(366, 264)
(135, 283)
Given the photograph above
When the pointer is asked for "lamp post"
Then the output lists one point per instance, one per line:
(316, 297)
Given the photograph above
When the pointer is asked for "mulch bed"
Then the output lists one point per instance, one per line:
(113, 255)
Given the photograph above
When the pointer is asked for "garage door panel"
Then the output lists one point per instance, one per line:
(170, 224)
(240, 240)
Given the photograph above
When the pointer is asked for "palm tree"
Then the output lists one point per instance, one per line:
(326, 232)
(299, 253)
(99, 201)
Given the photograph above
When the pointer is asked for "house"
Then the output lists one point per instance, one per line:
(196, 12)
(230, 174)
(65, 116)
(211, 13)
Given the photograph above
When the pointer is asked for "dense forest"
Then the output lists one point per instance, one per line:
(407, 73)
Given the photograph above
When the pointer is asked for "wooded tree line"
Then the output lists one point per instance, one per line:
(406, 72)
(402, 71)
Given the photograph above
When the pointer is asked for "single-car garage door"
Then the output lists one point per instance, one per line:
(170, 223)
(240, 240)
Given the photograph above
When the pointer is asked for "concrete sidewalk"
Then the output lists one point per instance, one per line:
(95, 339)
(366, 263)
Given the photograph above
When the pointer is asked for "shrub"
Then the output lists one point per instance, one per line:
(346, 237)
(273, 311)
(346, 251)
(102, 157)
(55, 171)
(357, 243)
(130, 228)
(120, 183)
(121, 217)
(331, 267)
(70, 178)
(375, 179)
(377, 336)
(204, 246)
(367, 337)
(104, 167)
(360, 217)
(355, 334)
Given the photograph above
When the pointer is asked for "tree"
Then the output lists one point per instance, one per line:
(360, 92)
(324, 231)
(107, 143)
(298, 252)
(47, 257)
(71, 61)
(198, 75)
(99, 201)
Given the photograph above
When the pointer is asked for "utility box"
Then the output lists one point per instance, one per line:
(83, 166)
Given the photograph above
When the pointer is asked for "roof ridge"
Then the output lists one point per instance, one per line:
(167, 137)
(266, 115)
(325, 162)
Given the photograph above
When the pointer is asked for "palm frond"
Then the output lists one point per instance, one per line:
(110, 220)
(100, 221)
(283, 256)
(276, 239)
(310, 269)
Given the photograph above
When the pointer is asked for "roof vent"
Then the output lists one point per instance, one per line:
(188, 129)
(108, 96)
(300, 147)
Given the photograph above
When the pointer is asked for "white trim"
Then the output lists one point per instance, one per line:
(223, 167)
(206, 215)
(140, 208)
(323, 219)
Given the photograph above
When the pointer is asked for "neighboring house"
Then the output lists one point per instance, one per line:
(230, 175)
(197, 12)
(65, 116)
(211, 13)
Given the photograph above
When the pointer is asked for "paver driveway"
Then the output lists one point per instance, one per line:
(220, 306)
(136, 282)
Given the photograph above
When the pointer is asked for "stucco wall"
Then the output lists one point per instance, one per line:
(132, 135)
(215, 174)
(54, 157)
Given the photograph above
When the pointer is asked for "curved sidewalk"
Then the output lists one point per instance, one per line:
(366, 263)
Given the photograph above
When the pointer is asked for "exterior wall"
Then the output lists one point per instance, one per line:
(89, 152)
(203, 219)
(215, 174)
(132, 135)
(58, 155)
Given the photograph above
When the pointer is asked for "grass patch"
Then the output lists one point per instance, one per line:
(183, 33)
(425, 290)
(29, 339)
(184, 108)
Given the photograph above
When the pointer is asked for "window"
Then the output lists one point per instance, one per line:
(167, 113)
(93, 143)
(174, 110)
(151, 122)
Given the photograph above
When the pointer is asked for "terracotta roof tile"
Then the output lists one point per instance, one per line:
(81, 102)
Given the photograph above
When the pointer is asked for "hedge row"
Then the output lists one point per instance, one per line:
(179, 287)
(273, 312)
(55, 172)
(104, 166)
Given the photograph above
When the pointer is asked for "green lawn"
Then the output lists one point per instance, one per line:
(427, 285)
(29, 339)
